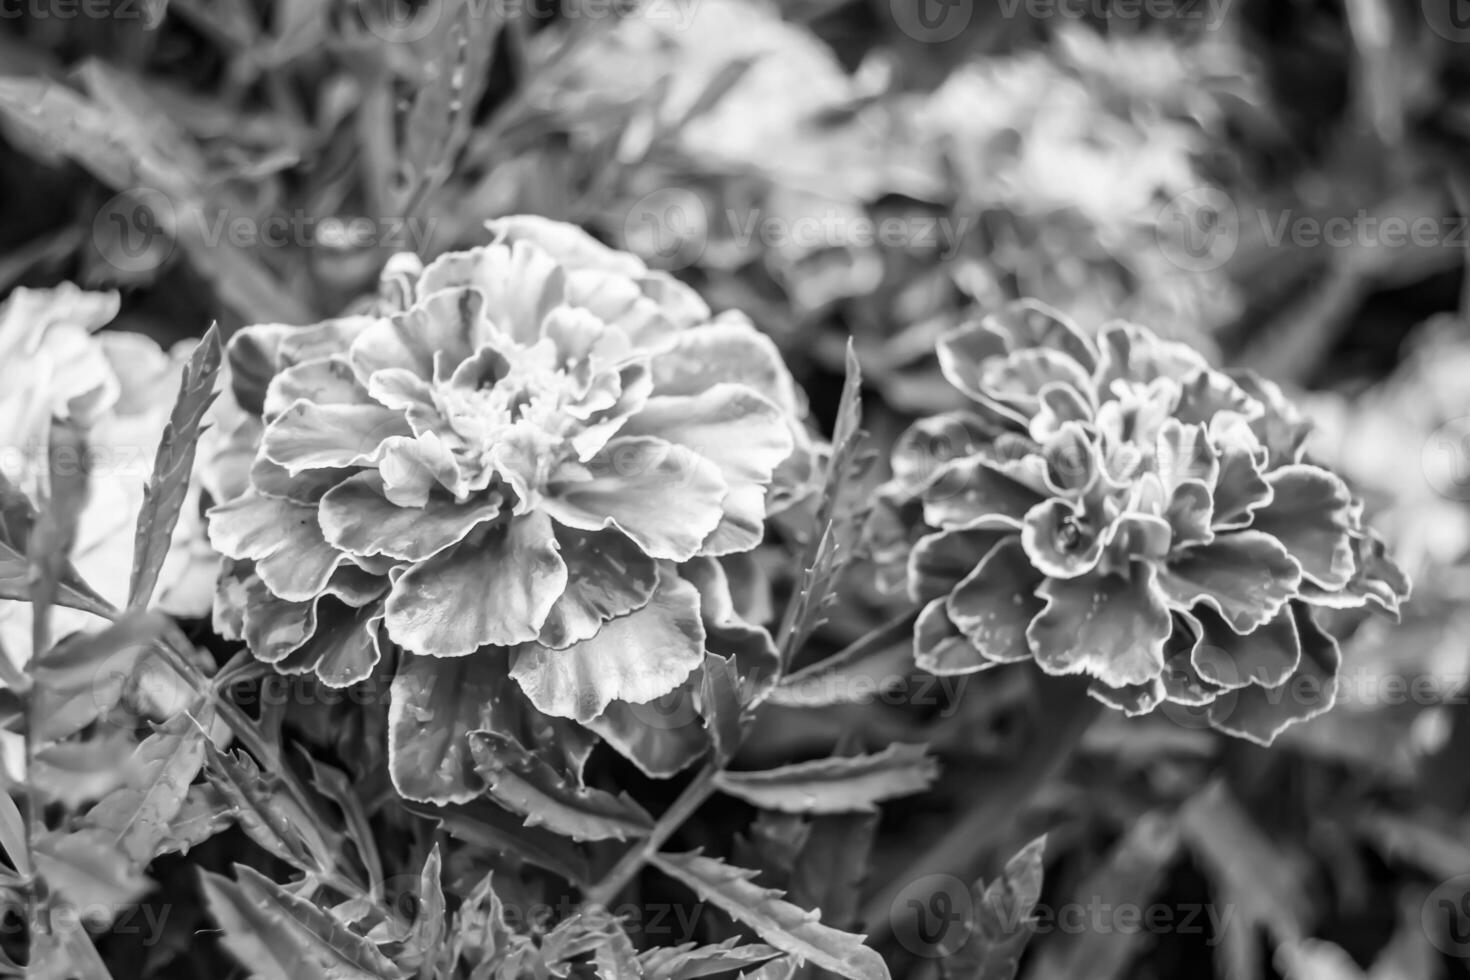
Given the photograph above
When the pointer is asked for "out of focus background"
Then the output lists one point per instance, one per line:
(1283, 183)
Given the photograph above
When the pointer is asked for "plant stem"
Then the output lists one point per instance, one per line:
(703, 785)
(1064, 713)
(699, 789)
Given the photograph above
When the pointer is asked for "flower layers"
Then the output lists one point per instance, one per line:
(513, 467)
(1119, 509)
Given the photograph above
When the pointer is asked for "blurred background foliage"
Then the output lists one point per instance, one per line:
(258, 160)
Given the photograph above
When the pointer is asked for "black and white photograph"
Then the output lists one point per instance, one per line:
(735, 489)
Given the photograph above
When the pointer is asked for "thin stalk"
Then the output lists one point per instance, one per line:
(699, 789)
(1064, 713)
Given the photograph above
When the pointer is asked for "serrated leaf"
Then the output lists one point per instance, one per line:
(1000, 924)
(85, 675)
(787, 927)
(13, 834)
(720, 704)
(1248, 869)
(480, 934)
(261, 939)
(77, 772)
(17, 519)
(87, 870)
(136, 816)
(689, 961)
(64, 953)
(841, 784)
(772, 846)
(529, 786)
(266, 814)
(327, 940)
(486, 825)
(173, 465)
(54, 532)
(839, 518)
(204, 813)
(829, 871)
(335, 786)
(427, 933)
(783, 968)
(616, 959)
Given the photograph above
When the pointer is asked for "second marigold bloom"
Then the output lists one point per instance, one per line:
(1118, 508)
(512, 459)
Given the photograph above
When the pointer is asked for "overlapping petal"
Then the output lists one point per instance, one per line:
(500, 465)
(1127, 512)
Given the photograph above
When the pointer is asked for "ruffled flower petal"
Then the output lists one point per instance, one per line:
(1266, 656)
(725, 352)
(995, 604)
(1259, 714)
(324, 381)
(1311, 514)
(607, 576)
(496, 588)
(569, 245)
(345, 648)
(447, 325)
(282, 538)
(434, 705)
(662, 738)
(356, 517)
(968, 490)
(308, 436)
(1111, 627)
(1060, 541)
(1246, 575)
(940, 647)
(940, 561)
(739, 431)
(635, 658)
(665, 498)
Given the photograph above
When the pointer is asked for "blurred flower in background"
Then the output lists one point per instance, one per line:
(57, 365)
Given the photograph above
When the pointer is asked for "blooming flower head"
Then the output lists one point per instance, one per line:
(57, 366)
(1119, 509)
(519, 456)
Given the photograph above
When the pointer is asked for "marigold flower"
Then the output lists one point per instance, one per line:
(517, 457)
(1120, 509)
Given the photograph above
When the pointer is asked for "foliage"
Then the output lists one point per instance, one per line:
(543, 639)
